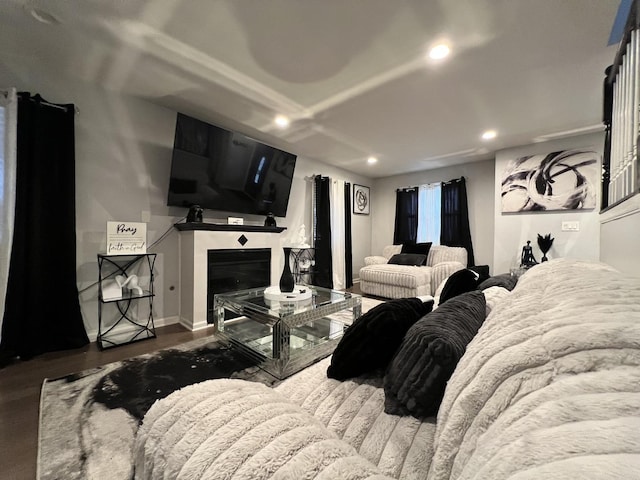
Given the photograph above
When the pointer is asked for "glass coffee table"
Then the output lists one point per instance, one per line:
(285, 336)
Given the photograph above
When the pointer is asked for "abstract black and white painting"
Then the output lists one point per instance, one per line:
(563, 180)
(361, 199)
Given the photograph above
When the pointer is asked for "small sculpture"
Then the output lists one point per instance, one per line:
(131, 283)
(121, 280)
(270, 221)
(527, 259)
(195, 214)
(302, 237)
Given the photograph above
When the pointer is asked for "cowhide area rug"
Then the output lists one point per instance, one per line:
(89, 420)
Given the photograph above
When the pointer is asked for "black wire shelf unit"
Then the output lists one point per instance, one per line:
(131, 317)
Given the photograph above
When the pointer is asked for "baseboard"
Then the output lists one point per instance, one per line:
(189, 325)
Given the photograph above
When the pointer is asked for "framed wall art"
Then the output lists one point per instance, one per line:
(562, 180)
(361, 199)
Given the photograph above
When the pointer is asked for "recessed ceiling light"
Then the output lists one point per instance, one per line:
(489, 135)
(282, 121)
(440, 51)
(372, 160)
(44, 17)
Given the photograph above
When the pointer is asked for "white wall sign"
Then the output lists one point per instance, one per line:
(126, 238)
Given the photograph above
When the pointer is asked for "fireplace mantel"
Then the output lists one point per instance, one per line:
(225, 227)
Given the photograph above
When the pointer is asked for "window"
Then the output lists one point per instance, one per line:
(429, 205)
(7, 190)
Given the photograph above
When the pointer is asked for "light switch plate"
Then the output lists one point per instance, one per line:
(571, 226)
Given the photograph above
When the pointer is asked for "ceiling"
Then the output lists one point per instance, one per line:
(352, 75)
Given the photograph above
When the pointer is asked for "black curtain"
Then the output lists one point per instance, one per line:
(406, 226)
(42, 309)
(323, 276)
(348, 247)
(455, 231)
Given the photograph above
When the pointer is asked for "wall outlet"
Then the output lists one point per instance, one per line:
(145, 216)
(570, 226)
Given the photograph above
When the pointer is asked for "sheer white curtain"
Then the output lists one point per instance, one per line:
(429, 204)
(336, 196)
(8, 145)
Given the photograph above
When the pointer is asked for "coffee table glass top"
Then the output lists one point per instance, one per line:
(253, 301)
(285, 336)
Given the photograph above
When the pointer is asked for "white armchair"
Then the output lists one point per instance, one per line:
(382, 279)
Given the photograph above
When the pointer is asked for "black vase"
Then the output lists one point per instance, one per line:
(270, 221)
(286, 279)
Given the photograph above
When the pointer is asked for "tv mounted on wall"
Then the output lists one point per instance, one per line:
(223, 170)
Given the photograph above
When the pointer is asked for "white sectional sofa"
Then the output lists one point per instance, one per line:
(549, 388)
(386, 280)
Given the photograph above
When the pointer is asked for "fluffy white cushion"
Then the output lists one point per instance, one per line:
(235, 429)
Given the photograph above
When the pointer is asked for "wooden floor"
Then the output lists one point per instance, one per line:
(20, 385)
(21, 382)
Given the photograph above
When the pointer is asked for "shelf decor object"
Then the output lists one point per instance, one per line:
(302, 238)
(111, 290)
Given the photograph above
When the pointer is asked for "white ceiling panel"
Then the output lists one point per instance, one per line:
(352, 75)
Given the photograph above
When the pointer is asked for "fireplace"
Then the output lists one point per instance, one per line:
(233, 269)
(198, 239)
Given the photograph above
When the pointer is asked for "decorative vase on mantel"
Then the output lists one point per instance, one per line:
(270, 221)
(286, 279)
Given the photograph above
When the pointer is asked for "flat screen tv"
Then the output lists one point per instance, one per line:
(223, 170)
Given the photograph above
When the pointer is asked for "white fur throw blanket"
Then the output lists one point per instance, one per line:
(237, 429)
(550, 386)
(234, 429)
(354, 411)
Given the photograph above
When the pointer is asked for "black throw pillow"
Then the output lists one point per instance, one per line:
(505, 280)
(458, 283)
(420, 248)
(482, 270)
(407, 259)
(371, 341)
(415, 380)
